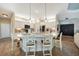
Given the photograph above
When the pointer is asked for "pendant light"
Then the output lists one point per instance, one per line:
(45, 11)
(30, 12)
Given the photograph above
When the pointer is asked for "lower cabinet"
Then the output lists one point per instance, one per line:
(5, 30)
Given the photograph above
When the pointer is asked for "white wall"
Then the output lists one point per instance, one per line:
(74, 21)
(73, 18)
(22, 24)
(19, 24)
(37, 25)
(68, 14)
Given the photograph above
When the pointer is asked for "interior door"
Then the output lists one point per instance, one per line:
(5, 30)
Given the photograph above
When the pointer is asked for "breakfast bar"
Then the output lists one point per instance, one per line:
(38, 41)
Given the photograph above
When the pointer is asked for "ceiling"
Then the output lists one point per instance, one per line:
(37, 9)
(73, 6)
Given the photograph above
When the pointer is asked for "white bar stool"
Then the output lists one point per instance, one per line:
(30, 44)
(47, 43)
(58, 42)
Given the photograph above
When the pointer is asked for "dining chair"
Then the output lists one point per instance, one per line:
(58, 41)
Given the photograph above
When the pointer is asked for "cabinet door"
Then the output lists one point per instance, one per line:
(5, 30)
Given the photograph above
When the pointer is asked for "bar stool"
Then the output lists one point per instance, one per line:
(47, 43)
(31, 44)
(58, 41)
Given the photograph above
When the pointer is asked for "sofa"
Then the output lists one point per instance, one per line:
(76, 39)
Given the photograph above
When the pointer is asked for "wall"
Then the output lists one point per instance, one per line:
(69, 17)
(36, 25)
(74, 21)
(21, 24)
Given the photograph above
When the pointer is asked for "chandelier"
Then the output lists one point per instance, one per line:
(45, 11)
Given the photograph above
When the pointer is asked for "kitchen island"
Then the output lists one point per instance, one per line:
(38, 41)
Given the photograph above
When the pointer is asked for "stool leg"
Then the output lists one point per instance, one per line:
(34, 50)
(26, 51)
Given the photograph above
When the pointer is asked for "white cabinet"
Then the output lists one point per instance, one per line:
(5, 30)
(76, 39)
